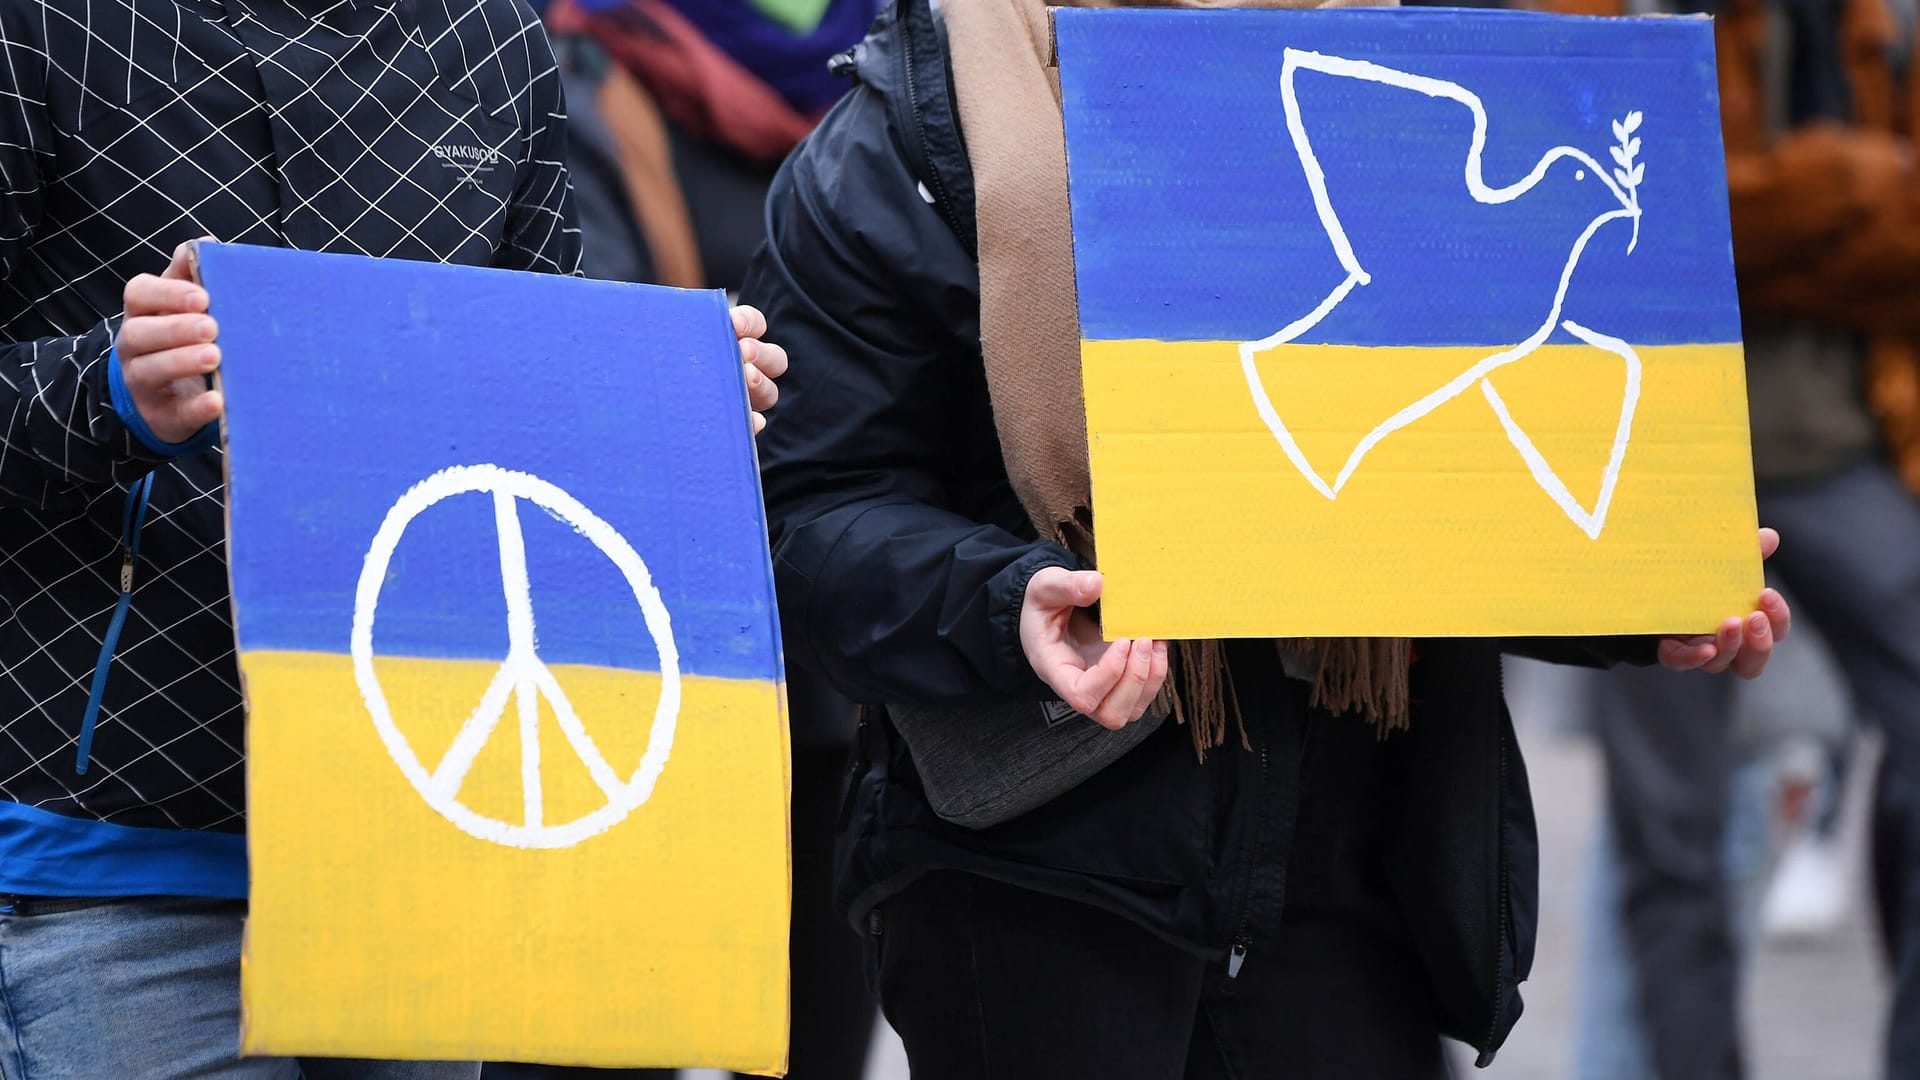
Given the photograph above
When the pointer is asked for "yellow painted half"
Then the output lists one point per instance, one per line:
(1207, 529)
(378, 928)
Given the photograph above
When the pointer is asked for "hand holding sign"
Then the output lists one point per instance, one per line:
(1743, 645)
(1113, 682)
(168, 346)
(764, 360)
(166, 350)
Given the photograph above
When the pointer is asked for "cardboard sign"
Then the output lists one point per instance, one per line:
(516, 743)
(1407, 322)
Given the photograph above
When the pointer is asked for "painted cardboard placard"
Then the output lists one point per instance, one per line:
(1407, 322)
(517, 758)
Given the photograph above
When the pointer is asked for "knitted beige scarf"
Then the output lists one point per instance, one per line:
(1009, 98)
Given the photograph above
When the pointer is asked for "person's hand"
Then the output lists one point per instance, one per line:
(1114, 682)
(764, 360)
(1742, 645)
(166, 349)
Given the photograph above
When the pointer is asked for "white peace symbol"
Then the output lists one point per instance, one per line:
(522, 675)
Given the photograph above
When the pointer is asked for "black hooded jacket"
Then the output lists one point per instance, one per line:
(902, 556)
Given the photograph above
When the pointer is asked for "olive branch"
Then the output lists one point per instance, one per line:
(1629, 173)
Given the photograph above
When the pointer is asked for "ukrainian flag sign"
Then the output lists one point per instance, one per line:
(517, 760)
(1407, 322)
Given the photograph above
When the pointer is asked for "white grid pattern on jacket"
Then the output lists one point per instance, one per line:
(418, 129)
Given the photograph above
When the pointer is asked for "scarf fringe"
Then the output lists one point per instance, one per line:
(1363, 676)
(1205, 698)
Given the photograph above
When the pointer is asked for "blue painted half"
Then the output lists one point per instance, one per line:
(349, 380)
(1193, 219)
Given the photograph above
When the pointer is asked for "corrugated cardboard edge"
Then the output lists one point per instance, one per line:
(780, 685)
(218, 384)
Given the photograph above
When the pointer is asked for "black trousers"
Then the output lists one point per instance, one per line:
(989, 981)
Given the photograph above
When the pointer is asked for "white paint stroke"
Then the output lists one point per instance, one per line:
(521, 649)
(1589, 521)
(458, 760)
(576, 733)
(522, 676)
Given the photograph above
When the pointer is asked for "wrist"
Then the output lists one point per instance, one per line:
(1014, 671)
(128, 410)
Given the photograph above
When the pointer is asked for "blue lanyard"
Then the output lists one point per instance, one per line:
(132, 517)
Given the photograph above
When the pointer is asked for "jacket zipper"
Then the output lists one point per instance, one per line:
(132, 517)
(940, 200)
(1500, 862)
(1243, 934)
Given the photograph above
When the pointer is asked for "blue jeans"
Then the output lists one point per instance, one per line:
(143, 988)
(1609, 1040)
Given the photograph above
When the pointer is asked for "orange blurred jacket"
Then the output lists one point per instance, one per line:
(1826, 219)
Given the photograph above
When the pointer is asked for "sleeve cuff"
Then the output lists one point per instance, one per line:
(123, 406)
(1009, 595)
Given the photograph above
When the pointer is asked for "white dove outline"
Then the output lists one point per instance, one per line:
(1590, 522)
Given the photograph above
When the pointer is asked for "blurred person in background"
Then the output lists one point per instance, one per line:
(684, 109)
(1819, 102)
(1810, 892)
(1786, 741)
(679, 113)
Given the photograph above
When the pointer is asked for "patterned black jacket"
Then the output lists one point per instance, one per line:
(416, 129)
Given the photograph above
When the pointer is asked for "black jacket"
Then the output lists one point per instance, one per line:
(901, 556)
(419, 129)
